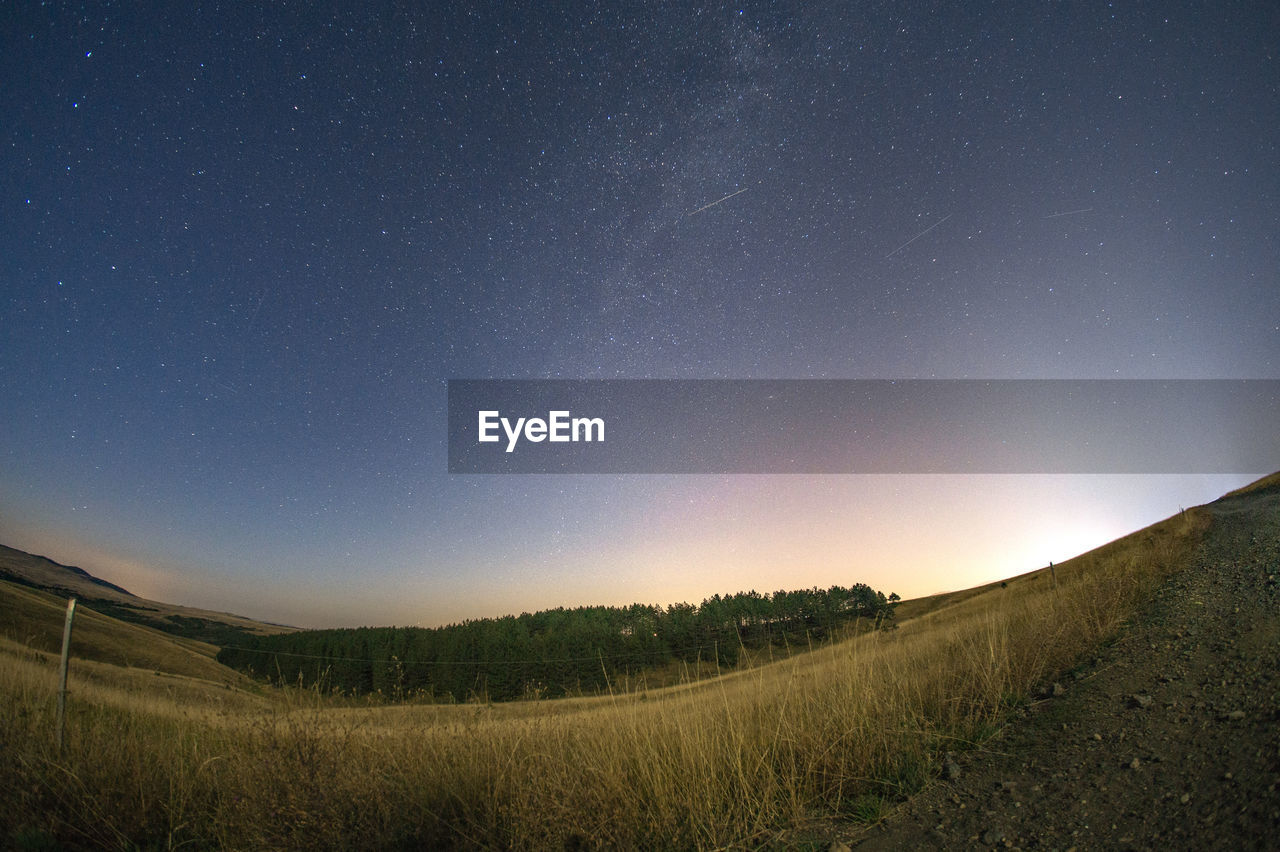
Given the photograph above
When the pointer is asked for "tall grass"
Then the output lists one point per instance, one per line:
(742, 760)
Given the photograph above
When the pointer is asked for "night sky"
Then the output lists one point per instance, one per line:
(242, 250)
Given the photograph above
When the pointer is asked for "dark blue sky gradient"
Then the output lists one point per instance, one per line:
(242, 250)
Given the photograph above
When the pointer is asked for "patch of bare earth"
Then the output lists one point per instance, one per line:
(1168, 739)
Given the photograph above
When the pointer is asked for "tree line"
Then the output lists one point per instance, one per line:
(553, 652)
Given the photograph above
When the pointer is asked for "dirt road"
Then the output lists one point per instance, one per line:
(1169, 739)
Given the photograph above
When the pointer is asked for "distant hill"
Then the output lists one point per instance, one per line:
(28, 569)
(214, 628)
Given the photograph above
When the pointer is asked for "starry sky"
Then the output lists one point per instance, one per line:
(243, 249)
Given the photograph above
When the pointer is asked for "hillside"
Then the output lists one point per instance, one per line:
(42, 572)
(1126, 700)
(216, 628)
(1167, 738)
(34, 618)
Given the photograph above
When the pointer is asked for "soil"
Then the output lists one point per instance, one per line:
(1169, 738)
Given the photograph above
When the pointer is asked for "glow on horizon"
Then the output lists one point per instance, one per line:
(915, 536)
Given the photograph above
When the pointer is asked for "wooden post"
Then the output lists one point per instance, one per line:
(62, 672)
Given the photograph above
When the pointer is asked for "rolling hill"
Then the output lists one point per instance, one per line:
(1129, 695)
(41, 573)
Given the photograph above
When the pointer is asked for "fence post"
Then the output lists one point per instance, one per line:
(62, 671)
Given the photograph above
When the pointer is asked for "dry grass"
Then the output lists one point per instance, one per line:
(739, 761)
(35, 618)
(1266, 482)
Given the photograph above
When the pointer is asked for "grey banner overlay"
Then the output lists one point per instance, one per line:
(868, 426)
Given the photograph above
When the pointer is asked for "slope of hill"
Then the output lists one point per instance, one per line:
(35, 618)
(42, 572)
(1127, 700)
(1167, 738)
(216, 628)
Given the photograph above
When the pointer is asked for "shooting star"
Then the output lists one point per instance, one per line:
(718, 201)
(1069, 212)
(253, 319)
(917, 236)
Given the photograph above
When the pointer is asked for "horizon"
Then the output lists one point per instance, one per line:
(976, 568)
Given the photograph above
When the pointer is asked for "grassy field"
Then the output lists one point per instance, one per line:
(163, 754)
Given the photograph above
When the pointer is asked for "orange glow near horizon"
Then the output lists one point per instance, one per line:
(915, 536)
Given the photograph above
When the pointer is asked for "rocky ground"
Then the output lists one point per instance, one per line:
(1168, 739)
